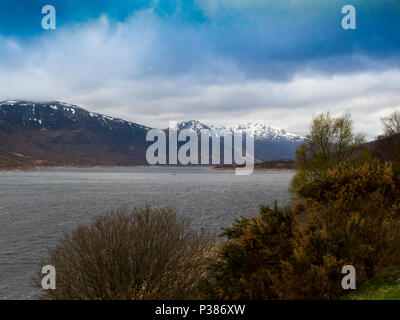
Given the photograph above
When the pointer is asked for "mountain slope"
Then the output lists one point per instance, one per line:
(386, 148)
(55, 133)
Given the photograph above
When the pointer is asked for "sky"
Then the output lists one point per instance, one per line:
(279, 62)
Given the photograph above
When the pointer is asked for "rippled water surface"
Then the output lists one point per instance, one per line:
(36, 208)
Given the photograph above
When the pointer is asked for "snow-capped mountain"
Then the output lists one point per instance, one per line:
(47, 115)
(269, 143)
(260, 131)
(58, 134)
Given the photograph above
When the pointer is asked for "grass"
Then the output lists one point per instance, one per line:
(385, 286)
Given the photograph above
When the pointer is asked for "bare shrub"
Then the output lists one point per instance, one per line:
(131, 254)
(391, 124)
(386, 147)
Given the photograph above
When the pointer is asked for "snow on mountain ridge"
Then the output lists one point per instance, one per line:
(56, 106)
(261, 131)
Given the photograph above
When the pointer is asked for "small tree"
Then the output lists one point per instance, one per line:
(391, 124)
(130, 254)
(331, 142)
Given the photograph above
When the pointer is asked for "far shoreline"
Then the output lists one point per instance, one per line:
(255, 169)
(216, 169)
(282, 165)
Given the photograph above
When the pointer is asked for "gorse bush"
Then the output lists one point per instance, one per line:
(347, 215)
(131, 254)
(249, 264)
(352, 217)
(359, 204)
(346, 184)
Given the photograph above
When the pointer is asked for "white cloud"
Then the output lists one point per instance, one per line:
(133, 70)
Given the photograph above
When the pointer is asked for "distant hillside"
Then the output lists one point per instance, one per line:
(386, 149)
(58, 134)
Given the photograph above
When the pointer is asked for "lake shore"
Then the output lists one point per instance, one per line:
(282, 165)
(255, 169)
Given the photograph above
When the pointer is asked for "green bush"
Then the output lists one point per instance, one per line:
(348, 215)
(346, 184)
(249, 264)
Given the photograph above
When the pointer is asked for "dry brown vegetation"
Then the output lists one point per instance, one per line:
(131, 254)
